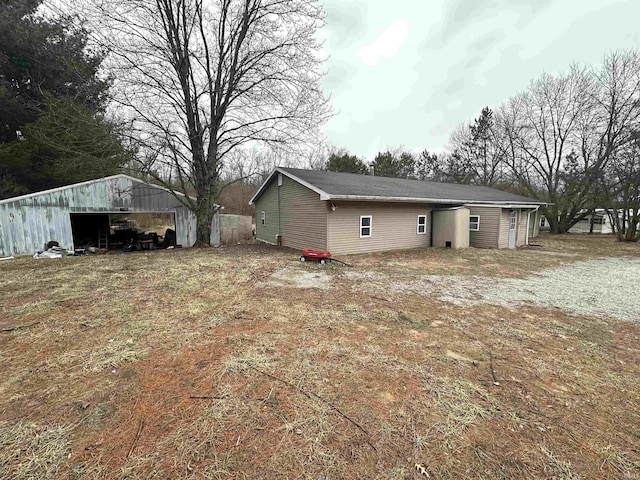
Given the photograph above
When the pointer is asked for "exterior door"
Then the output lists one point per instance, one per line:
(513, 225)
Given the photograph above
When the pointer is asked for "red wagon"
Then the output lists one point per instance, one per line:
(315, 255)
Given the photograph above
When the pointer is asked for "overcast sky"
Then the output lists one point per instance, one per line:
(406, 72)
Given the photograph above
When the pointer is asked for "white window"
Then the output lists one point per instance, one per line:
(474, 223)
(365, 226)
(263, 217)
(422, 225)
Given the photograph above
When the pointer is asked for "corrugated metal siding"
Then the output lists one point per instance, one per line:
(503, 238)
(268, 202)
(394, 226)
(27, 223)
(487, 236)
(303, 220)
(150, 198)
(186, 225)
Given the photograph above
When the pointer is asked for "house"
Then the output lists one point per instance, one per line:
(599, 221)
(351, 213)
(83, 210)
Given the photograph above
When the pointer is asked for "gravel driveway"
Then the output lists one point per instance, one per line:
(602, 287)
(606, 287)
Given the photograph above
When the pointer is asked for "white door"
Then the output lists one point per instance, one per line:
(513, 225)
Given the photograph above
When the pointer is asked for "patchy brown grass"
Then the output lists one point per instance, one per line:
(214, 364)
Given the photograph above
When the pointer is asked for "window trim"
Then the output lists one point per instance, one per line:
(370, 227)
(263, 217)
(477, 229)
(418, 232)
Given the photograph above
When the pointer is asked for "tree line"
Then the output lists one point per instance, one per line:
(571, 139)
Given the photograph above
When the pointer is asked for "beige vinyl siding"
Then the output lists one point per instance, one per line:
(268, 202)
(503, 237)
(487, 236)
(521, 228)
(393, 226)
(303, 220)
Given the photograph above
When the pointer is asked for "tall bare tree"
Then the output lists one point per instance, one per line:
(546, 122)
(200, 79)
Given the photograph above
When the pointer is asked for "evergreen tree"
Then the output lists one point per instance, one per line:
(341, 161)
(52, 125)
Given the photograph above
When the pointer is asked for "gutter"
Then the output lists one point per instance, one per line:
(374, 198)
(507, 205)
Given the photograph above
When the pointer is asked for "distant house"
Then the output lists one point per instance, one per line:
(600, 220)
(351, 213)
(597, 222)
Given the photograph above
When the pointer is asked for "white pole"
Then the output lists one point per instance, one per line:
(526, 237)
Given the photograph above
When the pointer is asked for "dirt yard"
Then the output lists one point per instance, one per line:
(243, 363)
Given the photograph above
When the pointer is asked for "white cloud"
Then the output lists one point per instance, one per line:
(387, 44)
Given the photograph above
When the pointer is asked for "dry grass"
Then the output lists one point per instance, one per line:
(231, 363)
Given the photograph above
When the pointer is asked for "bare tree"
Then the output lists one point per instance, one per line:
(478, 146)
(201, 79)
(564, 130)
(546, 120)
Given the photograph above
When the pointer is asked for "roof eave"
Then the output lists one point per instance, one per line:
(507, 204)
(323, 195)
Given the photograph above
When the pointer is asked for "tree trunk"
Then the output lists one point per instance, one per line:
(204, 217)
(632, 229)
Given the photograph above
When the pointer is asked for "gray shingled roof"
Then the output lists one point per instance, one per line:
(350, 184)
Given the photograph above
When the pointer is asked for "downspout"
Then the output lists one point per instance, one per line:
(431, 227)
